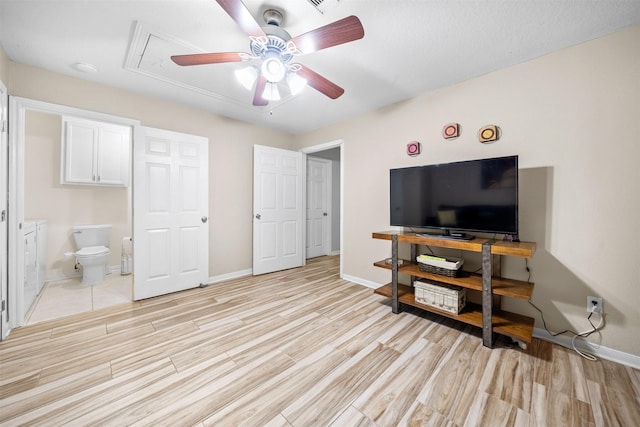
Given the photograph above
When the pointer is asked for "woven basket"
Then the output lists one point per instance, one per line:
(438, 270)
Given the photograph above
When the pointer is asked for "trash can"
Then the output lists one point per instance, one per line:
(126, 263)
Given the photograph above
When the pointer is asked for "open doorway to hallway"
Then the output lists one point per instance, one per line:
(334, 153)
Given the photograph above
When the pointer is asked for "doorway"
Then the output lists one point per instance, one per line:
(295, 239)
(47, 199)
(334, 152)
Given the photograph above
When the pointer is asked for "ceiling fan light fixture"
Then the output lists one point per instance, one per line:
(247, 76)
(273, 69)
(271, 92)
(296, 83)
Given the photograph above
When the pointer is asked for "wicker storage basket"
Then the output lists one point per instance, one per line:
(446, 267)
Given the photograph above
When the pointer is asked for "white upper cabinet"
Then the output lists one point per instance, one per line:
(95, 153)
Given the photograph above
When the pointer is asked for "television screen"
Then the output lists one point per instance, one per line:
(476, 195)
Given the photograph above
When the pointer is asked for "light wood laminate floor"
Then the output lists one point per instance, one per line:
(295, 348)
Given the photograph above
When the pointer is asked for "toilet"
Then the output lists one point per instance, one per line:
(92, 242)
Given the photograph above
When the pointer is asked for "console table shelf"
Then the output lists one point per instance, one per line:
(488, 316)
(512, 325)
(504, 287)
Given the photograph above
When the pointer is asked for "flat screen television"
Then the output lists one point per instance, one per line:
(475, 195)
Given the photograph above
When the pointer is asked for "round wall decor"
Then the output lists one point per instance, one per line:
(489, 133)
(452, 130)
(413, 148)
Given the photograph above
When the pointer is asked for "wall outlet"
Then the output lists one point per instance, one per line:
(594, 305)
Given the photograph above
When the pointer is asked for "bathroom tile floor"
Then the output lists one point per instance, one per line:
(66, 297)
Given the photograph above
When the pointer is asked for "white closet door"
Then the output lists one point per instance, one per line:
(171, 230)
(318, 207)
(277, 209)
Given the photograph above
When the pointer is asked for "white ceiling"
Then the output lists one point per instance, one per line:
(410, 47)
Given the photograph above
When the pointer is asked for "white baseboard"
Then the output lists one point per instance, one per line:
(229, 276)
(334, 253)
(599, 351)
(114, 269)
(360, 281)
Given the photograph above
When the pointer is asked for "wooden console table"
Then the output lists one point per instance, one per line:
(488, 316)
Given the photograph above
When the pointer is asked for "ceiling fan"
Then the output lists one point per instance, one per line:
(274, 49)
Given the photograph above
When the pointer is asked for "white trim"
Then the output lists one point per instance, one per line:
(363, 282)
(17, 110)
(334, 253)
(230, 276)
(4, 195)
(323, 147)
(338, 143)
(62, 277)
(47, 107)
(602, 352)
(114, 269)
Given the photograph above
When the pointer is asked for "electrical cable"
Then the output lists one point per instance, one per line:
(430, 250)
(584, 334)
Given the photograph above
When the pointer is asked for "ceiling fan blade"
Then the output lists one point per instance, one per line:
(258, 100)
(241, 15)
(320, 83)
(339, 32)
(207, 58)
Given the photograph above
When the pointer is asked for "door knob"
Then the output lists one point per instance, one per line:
(258, 216)
(324, 214)
(204, 219)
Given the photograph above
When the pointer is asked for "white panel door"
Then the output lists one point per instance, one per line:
(318, 207)
(4, 167)
(277, 209)
(170, 202)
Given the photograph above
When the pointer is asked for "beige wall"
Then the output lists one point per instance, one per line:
(4, 66)
(230, 151)
(572, 117)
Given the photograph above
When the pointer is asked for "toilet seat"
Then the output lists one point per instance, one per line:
(93, 250)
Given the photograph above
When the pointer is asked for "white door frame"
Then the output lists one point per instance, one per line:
(17, 110)
(339, 143)
(4, 187)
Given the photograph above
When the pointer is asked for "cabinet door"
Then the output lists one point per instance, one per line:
(95, 153)
(80, 144)
(113, 156)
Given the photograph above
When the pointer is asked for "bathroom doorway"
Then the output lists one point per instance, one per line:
(41, 198)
